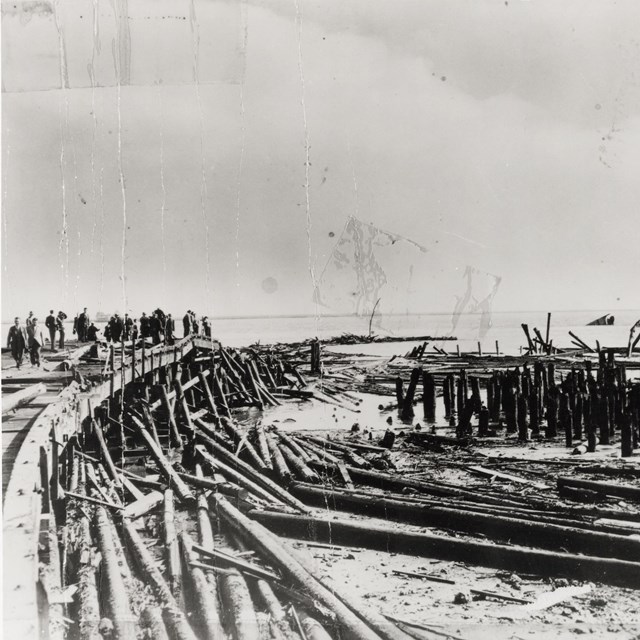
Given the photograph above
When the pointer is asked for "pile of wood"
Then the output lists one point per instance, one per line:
(169, 516)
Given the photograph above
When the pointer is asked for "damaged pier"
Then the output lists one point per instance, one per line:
(162, 492)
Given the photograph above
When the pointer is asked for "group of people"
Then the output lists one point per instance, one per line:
(190, 325)
(159, 326)
(30, 338)
(86, 330)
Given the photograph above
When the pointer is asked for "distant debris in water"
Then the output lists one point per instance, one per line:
(353, 338)
(607, 318)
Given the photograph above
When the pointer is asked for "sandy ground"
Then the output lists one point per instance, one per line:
(601, 611)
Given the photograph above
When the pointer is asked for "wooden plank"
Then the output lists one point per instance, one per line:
(22, 397)
(22, 504)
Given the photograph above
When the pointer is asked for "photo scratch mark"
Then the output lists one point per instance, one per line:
(163, 191)
(117, 50)
(64, 100)
(243, 134)
(195, 39)
(469, 240)
(307, 147)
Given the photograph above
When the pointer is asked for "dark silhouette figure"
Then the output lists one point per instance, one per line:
(17, 341)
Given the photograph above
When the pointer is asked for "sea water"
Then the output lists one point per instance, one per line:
(469, 329)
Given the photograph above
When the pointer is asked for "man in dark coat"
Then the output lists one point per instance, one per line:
(117, 327)
(92, 333)
(17, 341)
(50, 323)
(186, 323)
(127, 326)
(206, 327)
(36, 341)
(62, 316)
(161, 316)
(82, 325)
(144, 326)
(156, 327)
(169, 329)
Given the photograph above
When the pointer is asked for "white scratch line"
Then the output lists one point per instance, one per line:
(195, 31)
(116, 58)
(243, 135)
(307, 147)
(455, 235)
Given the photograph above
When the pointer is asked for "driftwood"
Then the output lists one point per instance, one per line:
(206, 607)
(167, 470)
(234, 462)
(602, 488)
(116, 597)
(174, 616)
(611, 571)
(171, 549)
(496, 527)
(260, 538)
(22, 397)
(237, 477)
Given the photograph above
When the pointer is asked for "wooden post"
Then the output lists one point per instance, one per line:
(175, 438)
(55, 468)
(626, 440)
(172, 551)
(429, 396)
(133, 359)
(208, 395)
(399, 393)
(44, 480)
(603, 420)
(165, 466)
(407, 405)
(446, 394)
(115, 595)
(483, 422)
(523, 429)
(112, 367)
(182, 401)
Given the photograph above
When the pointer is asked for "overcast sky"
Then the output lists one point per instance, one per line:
(504, 136)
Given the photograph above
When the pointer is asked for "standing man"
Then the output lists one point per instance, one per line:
(36, 341)
(17, 341)
(62, 316)
(87, 323)
(169, 328)
(92, 333)
(155, 327)
(82, 324)
(116, 328)
(144, 326)
(50, 323)
(29, 320)
(128, 326)
(206, 327)
(186, 323)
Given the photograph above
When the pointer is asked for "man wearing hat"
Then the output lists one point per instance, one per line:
(36, 341)
(17, 341)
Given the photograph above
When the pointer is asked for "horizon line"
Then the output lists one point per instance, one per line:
(366, 317)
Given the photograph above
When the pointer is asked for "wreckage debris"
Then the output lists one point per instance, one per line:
(169, 506)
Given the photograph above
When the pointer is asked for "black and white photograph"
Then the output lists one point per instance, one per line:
(320, 319)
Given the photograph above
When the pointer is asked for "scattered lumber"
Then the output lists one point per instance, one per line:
(623, 573)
